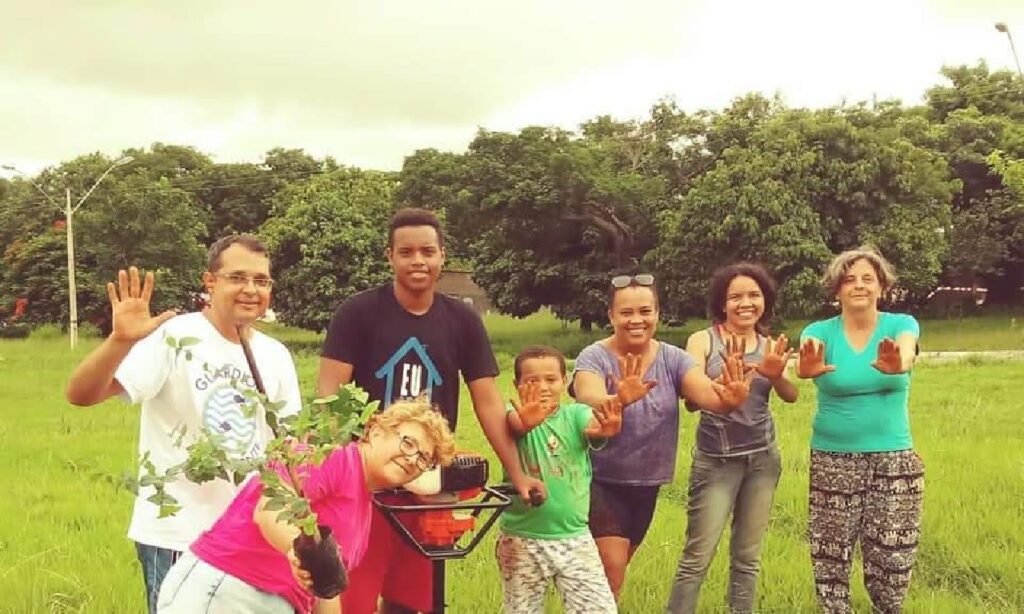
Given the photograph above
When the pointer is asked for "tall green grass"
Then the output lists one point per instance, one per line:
(62, 528)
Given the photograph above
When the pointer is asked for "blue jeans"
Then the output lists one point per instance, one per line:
(196, 587)
(155, 563)
(743, 486)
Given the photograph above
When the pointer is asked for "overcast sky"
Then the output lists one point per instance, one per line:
(369, 82)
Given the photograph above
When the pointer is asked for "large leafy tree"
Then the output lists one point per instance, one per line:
(127, 221)
(327, 238)
(980, 112)
(796, 186)
(546, 215)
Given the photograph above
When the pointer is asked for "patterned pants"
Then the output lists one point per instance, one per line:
(874, 498)
(527, 565)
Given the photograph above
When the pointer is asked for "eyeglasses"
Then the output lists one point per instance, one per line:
(238, 279)
(643, 279)
(409, 447)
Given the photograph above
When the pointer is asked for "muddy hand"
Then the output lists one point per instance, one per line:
(609, 419)
(811, 362)
(529, 406)
(735, 386)
(632, 387)
(776, 357)
(889, 360)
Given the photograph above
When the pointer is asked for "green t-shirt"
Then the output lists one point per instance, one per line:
(860, 409)
(557, 452)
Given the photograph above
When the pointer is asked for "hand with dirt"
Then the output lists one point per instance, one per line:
(322, 560)
(609, 419)
(129, 304)
(532, 411)
(733, 385)
(811, 362)
(530, 489)
(889, 360)
(631, 388)
(776, 357)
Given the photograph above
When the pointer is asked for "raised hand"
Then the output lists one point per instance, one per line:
(732, 386)
(735, 346)
(776, 356)
(889, 359)
(129, 304)
(631, 388)
(529, 406)
(609, 419)
(811, 363)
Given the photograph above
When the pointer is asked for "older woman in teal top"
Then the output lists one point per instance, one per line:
(867, 483)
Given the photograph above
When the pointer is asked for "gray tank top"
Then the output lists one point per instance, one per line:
(749, 428)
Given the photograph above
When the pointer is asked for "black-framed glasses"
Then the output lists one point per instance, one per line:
(622, 281)
(240, 279)
(409, 447)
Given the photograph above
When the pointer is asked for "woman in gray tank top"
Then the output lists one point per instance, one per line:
(736, 463)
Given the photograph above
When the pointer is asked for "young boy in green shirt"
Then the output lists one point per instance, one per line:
(553, 541)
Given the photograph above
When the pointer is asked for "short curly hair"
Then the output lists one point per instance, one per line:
(420, 411)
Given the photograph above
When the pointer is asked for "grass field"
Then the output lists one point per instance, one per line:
(62, 544)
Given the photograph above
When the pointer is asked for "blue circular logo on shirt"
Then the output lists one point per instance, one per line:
(225, 416)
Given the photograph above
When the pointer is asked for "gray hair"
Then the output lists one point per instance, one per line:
(840, 266)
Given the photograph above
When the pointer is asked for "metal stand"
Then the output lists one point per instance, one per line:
(493, 499)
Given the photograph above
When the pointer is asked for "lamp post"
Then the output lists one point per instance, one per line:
(1002, 27)
(69, 214)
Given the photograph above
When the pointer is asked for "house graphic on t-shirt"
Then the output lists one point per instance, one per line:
(409, 373)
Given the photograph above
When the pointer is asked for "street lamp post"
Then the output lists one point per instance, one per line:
(1002, 27)
(69, 214)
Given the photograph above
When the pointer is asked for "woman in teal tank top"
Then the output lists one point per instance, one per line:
(866, 483)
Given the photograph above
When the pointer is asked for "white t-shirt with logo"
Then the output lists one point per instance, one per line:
(199, 387)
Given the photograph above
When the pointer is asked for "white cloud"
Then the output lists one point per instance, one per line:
(370, 82)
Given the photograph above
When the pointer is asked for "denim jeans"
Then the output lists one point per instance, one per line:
(743, 486)
(155, 563)
(196, 587)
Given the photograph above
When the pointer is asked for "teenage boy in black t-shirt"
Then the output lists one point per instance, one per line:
(402, 340)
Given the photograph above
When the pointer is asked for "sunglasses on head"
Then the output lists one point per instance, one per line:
(623, 281)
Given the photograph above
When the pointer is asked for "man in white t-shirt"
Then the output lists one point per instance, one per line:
(189, 371)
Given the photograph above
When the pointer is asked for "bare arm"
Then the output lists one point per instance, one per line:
(699, 390)
(327, 606)
(786, 390)
(332, 374)
(278, 534)
(907, 343)
(93, 381)
(698, 345)
(589, 388)
(281, 535)
(515, 424)
(490, 412)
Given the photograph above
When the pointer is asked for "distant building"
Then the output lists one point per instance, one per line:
(459, 284)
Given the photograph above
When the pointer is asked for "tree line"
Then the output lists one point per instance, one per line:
(543, 216)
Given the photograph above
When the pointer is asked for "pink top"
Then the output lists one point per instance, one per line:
(337, 493)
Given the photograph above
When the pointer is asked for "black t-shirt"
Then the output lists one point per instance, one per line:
(398, 355)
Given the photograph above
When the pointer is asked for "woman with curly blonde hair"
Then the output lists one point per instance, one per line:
(246, 562)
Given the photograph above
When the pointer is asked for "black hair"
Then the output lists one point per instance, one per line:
(719, 287)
